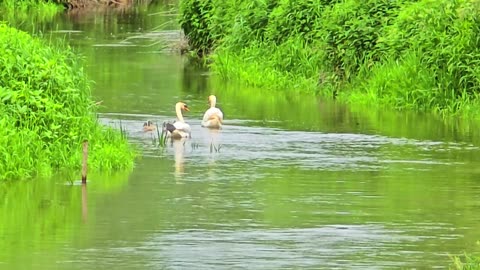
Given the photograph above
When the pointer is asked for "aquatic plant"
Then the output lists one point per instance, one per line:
(466, 262)
(162, 136)
(214, 147)
(46, 104)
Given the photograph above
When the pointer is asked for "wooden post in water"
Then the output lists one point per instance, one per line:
(84, 204)
(84, 162)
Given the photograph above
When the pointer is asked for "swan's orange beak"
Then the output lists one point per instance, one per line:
(185, 107)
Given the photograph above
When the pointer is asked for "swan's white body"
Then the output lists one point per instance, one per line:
(182, 129)
(213, 117)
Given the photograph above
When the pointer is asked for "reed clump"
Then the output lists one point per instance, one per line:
(47, 112)
(465, 262)
(358, 51)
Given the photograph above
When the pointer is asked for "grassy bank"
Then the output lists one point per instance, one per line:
(47, 112)
(406, 54)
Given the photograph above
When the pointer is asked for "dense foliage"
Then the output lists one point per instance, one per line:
(406, 54)
(47, 111)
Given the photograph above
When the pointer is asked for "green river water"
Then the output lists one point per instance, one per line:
(297, 183)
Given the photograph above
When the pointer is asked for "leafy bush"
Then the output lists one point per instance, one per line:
(445, 33)
(247, 26)
(295, 18)
(350, 31)
(195, 21)
(338, 43)
(45, 105)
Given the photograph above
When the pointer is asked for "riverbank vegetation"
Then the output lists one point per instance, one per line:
(406, 54)
(466, 262)
(47, 112)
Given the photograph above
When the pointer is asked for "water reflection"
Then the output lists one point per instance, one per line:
(179, 154)
(305, 248)
(190, 149)
(84, 203)
(195, 77)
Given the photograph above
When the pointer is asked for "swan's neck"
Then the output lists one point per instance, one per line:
(178, 110)
(213, 103)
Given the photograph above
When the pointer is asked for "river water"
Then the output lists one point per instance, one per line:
(290, 182)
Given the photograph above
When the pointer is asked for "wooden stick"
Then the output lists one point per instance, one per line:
(84, 162)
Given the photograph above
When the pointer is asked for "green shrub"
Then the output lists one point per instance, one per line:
(445, 33)
(295, 18)
(350, 31)
(247, 26)
(195, 21)
(46, 104)
(339, 43)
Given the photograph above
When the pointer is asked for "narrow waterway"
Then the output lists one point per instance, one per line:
(290, 182)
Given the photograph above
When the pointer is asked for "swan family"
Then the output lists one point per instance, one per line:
(213, 118)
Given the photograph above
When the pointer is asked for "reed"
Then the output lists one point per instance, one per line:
(465, 262)
(215, 148)
(163, 135)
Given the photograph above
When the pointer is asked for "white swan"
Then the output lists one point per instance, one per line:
(213, 117)
(179, 129)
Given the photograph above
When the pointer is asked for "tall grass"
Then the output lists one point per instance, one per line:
(46, 104)
(386, 83)
(41, 6)
(255, 66)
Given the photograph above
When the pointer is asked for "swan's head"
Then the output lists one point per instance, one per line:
(182, 106)
(212, 100)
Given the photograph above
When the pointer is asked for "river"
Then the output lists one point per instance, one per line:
(290, 182)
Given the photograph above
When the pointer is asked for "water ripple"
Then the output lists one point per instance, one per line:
(264, 147)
